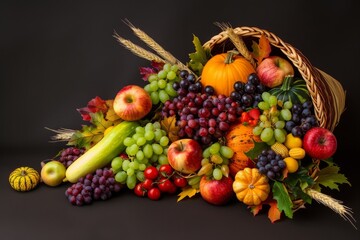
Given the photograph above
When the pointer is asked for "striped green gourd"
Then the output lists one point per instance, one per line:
(292, 89)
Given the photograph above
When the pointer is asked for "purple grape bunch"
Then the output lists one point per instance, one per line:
(100, 185)
(204, 117)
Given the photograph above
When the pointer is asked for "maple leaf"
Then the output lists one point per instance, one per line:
(282, 197)
(256, 209)
(262, 49)
(94, 105)
(145, 72)
(330, 177)
(169, 125)
(187, 192)
(256, 150)
(99, 121)
(86, 137)
(157, 65)
(274, 213)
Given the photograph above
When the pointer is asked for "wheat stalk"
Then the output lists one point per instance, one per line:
(137, 50)
(237, 41)
(156, 47)
(62, 134)
(336, 205)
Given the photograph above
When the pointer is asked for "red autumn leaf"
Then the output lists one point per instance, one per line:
(274, 213)
(157, 65)
(145, 72)
(262, 49)
(94, 105)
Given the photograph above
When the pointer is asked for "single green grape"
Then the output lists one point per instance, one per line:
(148, 151)
(154, 97)
(162, 84)
(226, 151)
(217, 173)
(214, 148)
(163, 96)
(153, 77)
(120, 177)
(162, 74)
(128, 141)
(131, 181)
(157, 148)
(266, 134)
(149, 135)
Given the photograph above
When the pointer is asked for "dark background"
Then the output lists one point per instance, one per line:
(57, 55)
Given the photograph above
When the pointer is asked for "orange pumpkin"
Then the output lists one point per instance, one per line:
(223, 70)
(251, 187)
(240, 138)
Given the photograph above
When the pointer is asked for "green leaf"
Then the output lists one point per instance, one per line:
(256, 150)
(331, 178)
(199, 58)
(281, 195)
(297, 182)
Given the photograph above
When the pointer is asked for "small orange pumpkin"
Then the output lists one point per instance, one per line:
(223, 70)
(251, 187)
(240, 138)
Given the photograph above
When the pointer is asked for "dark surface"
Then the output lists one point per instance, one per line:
(56, 56)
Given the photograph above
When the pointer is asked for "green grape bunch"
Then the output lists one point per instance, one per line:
(274, 115)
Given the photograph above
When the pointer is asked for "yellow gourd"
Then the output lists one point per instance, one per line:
(297, 153)
(24, 179)
(251, 187)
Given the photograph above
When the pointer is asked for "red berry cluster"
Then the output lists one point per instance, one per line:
(159, 180)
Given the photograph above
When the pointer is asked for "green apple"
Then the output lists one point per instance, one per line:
(53, 173)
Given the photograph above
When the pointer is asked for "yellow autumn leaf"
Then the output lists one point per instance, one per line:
(187, 192)
(110, 114)
(169, 125)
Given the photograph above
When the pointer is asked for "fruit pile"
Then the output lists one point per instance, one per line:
(221, 126)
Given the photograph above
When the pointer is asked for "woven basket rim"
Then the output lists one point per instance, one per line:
(327, 94)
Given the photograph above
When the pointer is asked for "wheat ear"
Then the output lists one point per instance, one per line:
(156, 47)
(62, 134)
(336, 205)
(137, 50)
(237, 41)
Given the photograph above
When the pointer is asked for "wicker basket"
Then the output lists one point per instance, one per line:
(327, 94)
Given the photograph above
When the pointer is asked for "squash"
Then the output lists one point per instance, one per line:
(251, 187)
(223, 70)
(102, 152)
(294, 90)
(297, 153)
(240, 138)
(24, 179)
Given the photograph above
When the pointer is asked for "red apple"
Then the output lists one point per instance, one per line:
(132, 103)
(53, 173)
(185, 155)
(217, 192)
(272, 71)
(319, 143)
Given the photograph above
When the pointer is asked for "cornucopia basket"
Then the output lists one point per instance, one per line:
(327, 94)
